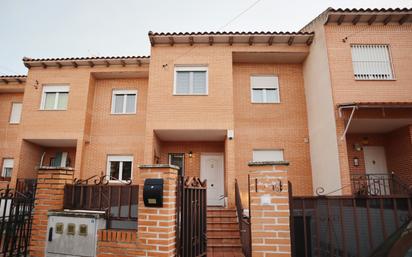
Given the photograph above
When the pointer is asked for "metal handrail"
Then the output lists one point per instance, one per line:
(373, 184)
(244, 224)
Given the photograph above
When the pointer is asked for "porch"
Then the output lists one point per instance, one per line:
(378, 147)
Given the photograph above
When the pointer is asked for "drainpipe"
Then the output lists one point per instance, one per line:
(354, 107)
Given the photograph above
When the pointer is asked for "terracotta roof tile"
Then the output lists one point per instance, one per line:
(357, 10)
(226, 33)
(28, 59)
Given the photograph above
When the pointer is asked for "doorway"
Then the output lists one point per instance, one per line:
(212, 169)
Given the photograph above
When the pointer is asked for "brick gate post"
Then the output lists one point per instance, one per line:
(49, 196)
(269, 210)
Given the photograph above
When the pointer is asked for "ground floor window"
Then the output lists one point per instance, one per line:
(119, 167)
(7, 168)
(178, 159)
(267, 155)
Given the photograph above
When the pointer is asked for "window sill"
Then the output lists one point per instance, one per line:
(120, 114)
(375, 79)
(14, 123)
(190, 94)
(265, 103)
(52, 110)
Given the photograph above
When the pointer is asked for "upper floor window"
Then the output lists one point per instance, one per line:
(7, 168)
(124, 101)
(191, 81)
(267, 155)
(264, 89)
(15, 114)
(371, 62)
(54, 97)
(119, 167)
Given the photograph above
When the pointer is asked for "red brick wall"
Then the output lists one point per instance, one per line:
(8, 132)
(115, 134)
(399, 153)
(272, 126)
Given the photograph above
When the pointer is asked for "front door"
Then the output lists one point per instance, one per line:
(376, 169)
(212, 170)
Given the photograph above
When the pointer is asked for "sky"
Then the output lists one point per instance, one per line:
(74, 28)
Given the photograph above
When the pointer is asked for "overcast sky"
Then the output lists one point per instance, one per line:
(67, 28)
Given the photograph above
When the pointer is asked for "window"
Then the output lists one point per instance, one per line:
(119, 167)
(124, 101)
(7, 169)
(190, 81)
(178, 159)
(269, 155)
(265, 89)
(371, 62)
(15, 114)
(54, 98)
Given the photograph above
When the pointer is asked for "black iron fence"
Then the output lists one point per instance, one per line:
(191, 217)
(16, 208)
(244, 223)
(119, 200)
(346, 226)
(378, 185)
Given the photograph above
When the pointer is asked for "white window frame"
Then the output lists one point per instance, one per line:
(123, 92)
(365, 64)
(121, 159)
(15, 120)
(54, 89)
(191, 68)
(277, 89)
(3, 169)
(267, 150)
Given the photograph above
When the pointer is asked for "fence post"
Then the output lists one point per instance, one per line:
(49, 196)
(269, 210)
(157, 226)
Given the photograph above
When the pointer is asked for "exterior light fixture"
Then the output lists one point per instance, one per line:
(356, 161)
(190, 154)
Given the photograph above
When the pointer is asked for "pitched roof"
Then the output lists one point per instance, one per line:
(85, 61)
(6, 79)
(223, 37)
(360, 15)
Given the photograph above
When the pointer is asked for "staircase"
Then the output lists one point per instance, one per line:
(223, 237)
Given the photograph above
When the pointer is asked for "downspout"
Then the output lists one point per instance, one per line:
(354, 107)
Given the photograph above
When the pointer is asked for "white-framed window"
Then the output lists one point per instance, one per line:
(55, 97)
(7, 168)
(371, 62)
(124, 101)
(264, 89)
(267, 155)
(120, 167)
(191, 80)
(15, 114)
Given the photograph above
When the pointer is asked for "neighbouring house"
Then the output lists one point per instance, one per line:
(330, 103)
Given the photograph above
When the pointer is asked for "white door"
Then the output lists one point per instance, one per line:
(211, 169)
(375, 164)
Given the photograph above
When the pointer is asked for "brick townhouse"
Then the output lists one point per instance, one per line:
(330, 101)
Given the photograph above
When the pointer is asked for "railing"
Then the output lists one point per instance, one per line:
(346, 226)
(244, 223)
(378, 185)
(119, 200)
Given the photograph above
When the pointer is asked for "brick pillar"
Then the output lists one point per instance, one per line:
(49, 196)
(157, 226)
(269, 211)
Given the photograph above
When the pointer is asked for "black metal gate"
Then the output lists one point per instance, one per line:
(191, 217)
(16, 207)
